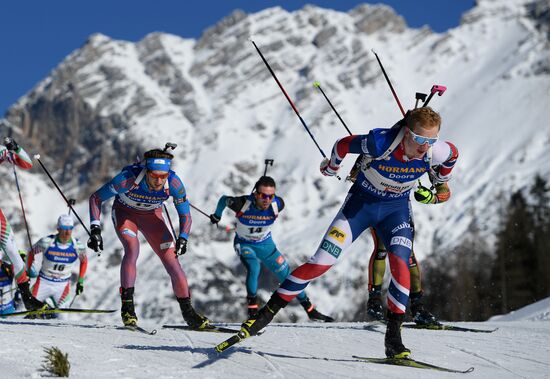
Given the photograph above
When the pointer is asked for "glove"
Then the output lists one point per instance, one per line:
(327, 169)
(79, 287)
(95, 242)
(10, 144)
(181, 246)
(214, 219)
(7, 268)
(424, 195)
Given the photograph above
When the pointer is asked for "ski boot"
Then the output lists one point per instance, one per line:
(252, 306)
(127, 311)
(313, 313)
(392, 339)
(374, 306)
(420, 315)
(265, 315)
(191, 317)
(31, 303)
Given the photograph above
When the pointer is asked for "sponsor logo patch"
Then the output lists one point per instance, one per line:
(331, 248)
(280, 260)
(401, 241)
(403, 225)
(337, 234)
(165, 245)
(129, 232)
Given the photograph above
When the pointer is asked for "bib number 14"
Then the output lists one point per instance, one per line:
(255, 230)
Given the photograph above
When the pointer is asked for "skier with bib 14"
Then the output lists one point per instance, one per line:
(255, 214)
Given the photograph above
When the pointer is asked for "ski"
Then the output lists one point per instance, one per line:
(210, 328)
(448, 327)
(409, 362)
(50, 311)
(135, 328)
(233, 340)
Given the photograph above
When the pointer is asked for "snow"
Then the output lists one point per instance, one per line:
(539, 311)
(308, 350)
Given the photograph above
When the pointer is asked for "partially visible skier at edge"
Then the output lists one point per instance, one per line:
(139, 191)
(397, 158)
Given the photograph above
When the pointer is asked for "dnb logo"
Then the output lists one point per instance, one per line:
(337, 234)
(331, 248)
(403, 241)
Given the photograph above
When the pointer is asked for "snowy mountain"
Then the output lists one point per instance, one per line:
(517, 348)
(110, 100)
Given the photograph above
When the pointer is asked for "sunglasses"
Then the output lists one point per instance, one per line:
(265, 196)
(157, 176)
(421, 140)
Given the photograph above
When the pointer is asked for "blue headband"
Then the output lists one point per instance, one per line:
(158, 164)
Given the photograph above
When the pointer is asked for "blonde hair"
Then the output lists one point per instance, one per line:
(424, 117)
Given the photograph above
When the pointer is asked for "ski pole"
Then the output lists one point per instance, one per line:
(72, 301)
(37, 157)
(200, 211)
(72, 202)
(439, 89)
(353, 172)
(170, 221)
(268, 162)
(389, 83)
(289, 100)
(22, 205)
(318, 86)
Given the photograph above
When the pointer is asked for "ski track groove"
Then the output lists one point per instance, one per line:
(274, 367)
(528, 359)
(485, 359)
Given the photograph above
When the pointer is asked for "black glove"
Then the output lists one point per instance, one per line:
(79, 288)
(10, 144)
(214, 219)
(95, 242)
(7, 268)
(181, 246)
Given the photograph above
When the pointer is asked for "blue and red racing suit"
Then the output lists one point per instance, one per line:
(137, 208)
(379, 198)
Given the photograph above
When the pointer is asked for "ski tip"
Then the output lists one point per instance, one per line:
(316, 84)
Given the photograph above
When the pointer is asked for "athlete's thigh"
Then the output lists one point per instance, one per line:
(397, 232)
(125, 226)
(156, 232)
(352, 219)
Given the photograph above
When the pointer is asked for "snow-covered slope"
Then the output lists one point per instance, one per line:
(213, 96)
(516, 349)
(539, 311)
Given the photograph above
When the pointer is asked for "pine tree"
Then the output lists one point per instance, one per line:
(515, 263)
(541, 240)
